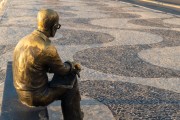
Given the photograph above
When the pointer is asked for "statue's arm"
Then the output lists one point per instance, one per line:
(54, 62)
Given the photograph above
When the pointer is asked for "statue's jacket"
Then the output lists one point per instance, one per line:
(33, 57)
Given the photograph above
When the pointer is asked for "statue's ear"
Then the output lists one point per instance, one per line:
(54, 27)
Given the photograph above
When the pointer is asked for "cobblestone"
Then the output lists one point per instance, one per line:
(129, 55)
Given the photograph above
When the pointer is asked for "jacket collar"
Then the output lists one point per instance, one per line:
(44, 37)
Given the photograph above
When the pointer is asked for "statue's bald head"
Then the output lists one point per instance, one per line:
(46, 18)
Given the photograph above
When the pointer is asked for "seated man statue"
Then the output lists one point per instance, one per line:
(35, 56)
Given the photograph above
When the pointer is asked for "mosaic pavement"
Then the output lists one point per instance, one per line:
(130, 55)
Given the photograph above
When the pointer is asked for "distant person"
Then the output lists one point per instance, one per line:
(35, 56)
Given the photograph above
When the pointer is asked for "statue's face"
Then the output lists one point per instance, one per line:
(54, 29)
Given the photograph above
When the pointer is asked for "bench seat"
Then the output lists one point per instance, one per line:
(12, 108)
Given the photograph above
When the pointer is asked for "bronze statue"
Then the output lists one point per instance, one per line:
(34, 56)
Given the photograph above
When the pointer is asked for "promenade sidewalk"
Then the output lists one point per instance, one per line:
(130, 55)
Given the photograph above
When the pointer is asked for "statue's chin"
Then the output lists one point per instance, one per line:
(52, 35)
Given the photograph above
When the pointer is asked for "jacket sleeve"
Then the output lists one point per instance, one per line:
(54, 62)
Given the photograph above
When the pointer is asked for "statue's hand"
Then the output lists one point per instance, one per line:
(77, 68)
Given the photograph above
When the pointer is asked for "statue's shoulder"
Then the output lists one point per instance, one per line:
(23, 41)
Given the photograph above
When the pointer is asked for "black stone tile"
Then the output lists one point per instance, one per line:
(124, 60)
(2, 75)
(95, 3)
(81, 23)
(123, 15)
(6, 48)
(148, 22)
(112, 9)
(170, 37)
(153, 23)
(79, 37)
(133, 101)
(81, 20)
(66, 14)
(120, 9)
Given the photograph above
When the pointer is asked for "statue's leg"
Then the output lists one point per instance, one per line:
(48, 96)
(70, 99)
(71, 104)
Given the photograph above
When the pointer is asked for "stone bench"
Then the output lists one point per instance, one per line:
(12, 108)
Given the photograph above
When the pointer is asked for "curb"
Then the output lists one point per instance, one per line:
(174, 2)
(163, 3)
(164, 7)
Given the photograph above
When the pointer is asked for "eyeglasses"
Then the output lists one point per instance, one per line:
(57, 26)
